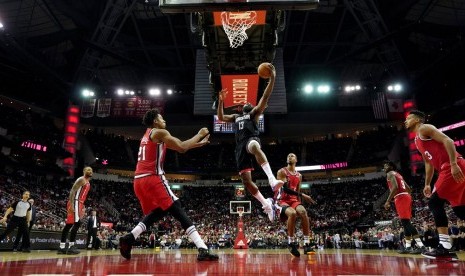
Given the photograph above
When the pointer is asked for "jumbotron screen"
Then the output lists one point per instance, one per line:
(224, 127)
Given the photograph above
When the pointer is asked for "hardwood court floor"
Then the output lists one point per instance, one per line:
(231, 262)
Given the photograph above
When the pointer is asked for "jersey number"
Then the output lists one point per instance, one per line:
(428, 155)
(141, 154)
(241, 125)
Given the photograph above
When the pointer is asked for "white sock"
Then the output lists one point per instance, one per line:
(408, 243)
(71, 244)
(306, 240)
(195, 237)
(419, 242)
(62, 245)
(444, 241)
(260, 198)
(290, 239)
(267, 169)
(139, 229)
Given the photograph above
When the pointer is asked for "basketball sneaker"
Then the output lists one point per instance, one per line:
(269, 209)
(417, 250)
(404, 250)
(125, 245)
(276, 184)
(206, 255)
(72, 250)
(308, 250)
(294, 249)
(62, 251)
(440, 253)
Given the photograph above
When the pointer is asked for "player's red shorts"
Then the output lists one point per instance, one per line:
(285, 204)
(446, 186)
(78, 213)
(403, 204)
(293, 203)
(153, 192)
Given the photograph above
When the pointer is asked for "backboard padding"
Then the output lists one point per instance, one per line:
(187, 6)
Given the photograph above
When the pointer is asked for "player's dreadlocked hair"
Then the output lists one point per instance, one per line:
(390, 164)
(419, 114)
(149, 117)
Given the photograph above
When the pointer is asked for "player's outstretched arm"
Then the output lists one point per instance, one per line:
(308, 198)
(198, 140)
(220, 111)
(263, 103)
(7, 213)
(393, 190)
(427, 130)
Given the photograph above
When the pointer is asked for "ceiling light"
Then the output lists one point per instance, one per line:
(308, 89)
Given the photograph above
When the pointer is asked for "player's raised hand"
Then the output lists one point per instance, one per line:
(222, 94)
(203, 131)
(272, 69)
(387, 206)
(202, 142)
(205, 140)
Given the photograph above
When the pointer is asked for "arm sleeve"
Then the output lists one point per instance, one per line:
(14, 205)
(290, 191)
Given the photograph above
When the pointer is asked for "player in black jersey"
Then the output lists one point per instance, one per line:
(248, 143)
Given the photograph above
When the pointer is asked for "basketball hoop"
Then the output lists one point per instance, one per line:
(240, 211)
(235, 24)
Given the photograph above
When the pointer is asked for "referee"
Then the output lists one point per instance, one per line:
(21, 218)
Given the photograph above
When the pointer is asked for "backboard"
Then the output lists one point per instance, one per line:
(187, 6)
(236, 206)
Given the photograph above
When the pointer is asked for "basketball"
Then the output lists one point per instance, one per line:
(264, 70)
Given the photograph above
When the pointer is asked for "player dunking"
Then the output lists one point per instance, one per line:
(289, 205)
(400, 192)
(248, 143)
(76, 211)
(438, 152)
(152, 188)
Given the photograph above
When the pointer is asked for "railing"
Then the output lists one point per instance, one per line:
(110, 209)
(56, 218)
(380, 201)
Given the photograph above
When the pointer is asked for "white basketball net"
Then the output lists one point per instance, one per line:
(240, 211)
(235, 24)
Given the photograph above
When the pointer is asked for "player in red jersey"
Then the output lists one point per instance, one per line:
(400, 192)
(438, 152)
(290, 207)
(76, 211)
(152, 188)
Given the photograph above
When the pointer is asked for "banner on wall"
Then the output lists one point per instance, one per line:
(242, 89)
(103, 107)
(88, 108)
(134, 107)
(42, 240)
(395, 108)
(106, 224)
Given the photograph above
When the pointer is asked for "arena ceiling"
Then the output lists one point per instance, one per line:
(50, 49)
